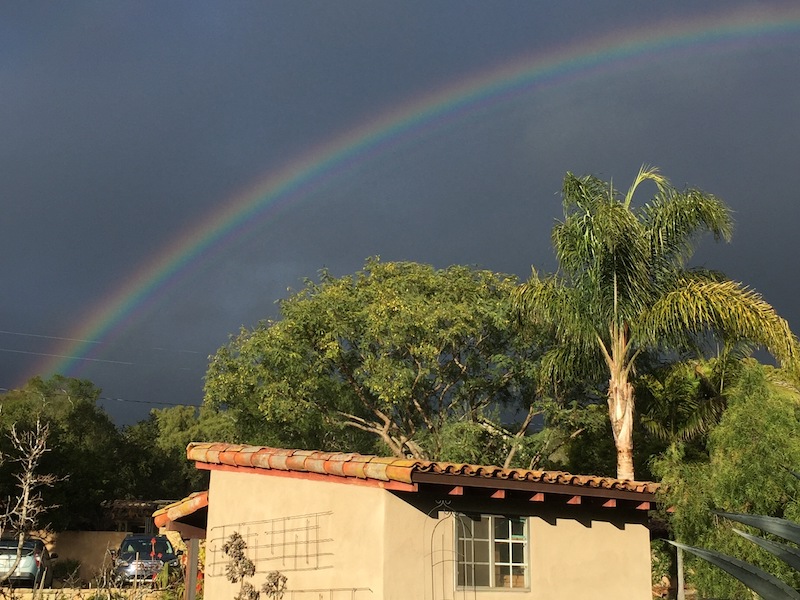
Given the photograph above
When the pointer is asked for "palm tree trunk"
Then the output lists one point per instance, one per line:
(620, 412)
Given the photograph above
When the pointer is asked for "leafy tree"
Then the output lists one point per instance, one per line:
(399, 354)
(85, 446)
(742, 471)
(624, 289)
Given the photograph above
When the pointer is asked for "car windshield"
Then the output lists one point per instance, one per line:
(147, 547)
(10, 547)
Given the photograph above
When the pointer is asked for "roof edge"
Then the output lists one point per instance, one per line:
(406, 471)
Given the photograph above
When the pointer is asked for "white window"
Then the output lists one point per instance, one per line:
(492, 551)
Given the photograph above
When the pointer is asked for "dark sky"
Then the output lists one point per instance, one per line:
(125, 125)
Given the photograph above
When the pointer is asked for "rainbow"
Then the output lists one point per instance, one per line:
(280, 188)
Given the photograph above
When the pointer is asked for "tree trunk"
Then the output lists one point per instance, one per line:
(620, 411)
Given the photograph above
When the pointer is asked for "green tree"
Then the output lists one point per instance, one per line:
(744, 470)
(395, 355)
(624, 289)
(84, 446)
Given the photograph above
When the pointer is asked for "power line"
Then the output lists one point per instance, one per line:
(109, 399)
(102, 360)
(49, 337)
(98, 342)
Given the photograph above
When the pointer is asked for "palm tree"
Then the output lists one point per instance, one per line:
(624, 288)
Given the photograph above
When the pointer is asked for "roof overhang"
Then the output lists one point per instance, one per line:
(442, 485)
(189, 516)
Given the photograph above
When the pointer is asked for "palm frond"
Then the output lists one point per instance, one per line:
(699, 306)
(646, 173)
(549, 303)
(675, 220)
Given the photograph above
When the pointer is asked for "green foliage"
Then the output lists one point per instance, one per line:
(84, 447)
(94, 461)
(742, 472)
(399, 356)
(156, 449)
(660, 561)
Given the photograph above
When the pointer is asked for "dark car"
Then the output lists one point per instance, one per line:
(35, 566)
(140, 558)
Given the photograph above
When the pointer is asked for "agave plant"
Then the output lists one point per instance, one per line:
(764, 584)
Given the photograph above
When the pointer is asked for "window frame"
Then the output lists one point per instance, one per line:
(470, 555)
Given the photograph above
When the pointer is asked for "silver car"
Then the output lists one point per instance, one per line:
(35, 564)
(140, 558)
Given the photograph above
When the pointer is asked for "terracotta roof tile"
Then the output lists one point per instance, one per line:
(342, 464)
(181, 508)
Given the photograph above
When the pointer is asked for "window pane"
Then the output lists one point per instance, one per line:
(481, 529)
(461, 578)
(481, 552)
(464, 527)
(518, 553)
(501, 552)
(502, 576)
(500, 528)
(482, 575)
(517, 577)
(466, 554)
(518, 528)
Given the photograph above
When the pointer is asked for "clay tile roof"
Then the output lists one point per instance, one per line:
(181, 508)
(387, 469)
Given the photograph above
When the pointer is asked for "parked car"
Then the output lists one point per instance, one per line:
(35, 563)
(140, 558)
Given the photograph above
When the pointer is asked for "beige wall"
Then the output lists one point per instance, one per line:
(598, 559)
(347, 541)
(90, 548)
(321, 536)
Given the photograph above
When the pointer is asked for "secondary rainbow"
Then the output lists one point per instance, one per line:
(287, 185)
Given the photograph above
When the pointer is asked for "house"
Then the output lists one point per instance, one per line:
(347, 526)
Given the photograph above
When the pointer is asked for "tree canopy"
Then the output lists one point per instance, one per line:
(94, 461)
(743, 467)
(399, 357)
(85, 446)
(624, 289)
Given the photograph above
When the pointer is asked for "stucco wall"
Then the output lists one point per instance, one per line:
(90, 548)
(321, 536)
(574, 553)
(356, 542)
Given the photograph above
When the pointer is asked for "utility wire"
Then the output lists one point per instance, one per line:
(108, 399)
